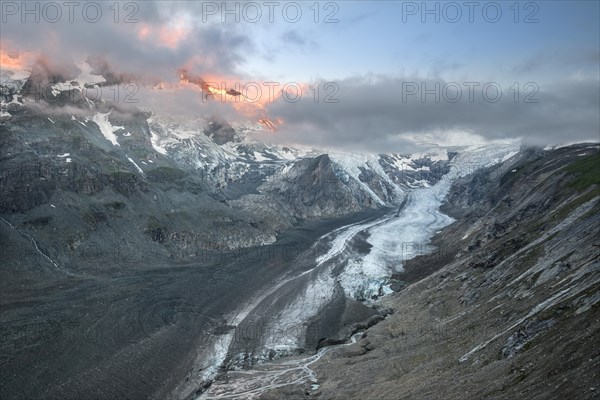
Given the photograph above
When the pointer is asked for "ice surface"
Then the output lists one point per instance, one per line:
(141, 171)
(106, 127)
(259, 157)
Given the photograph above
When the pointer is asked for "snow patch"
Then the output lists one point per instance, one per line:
(259, 157)
(75, 119)
(154, 139)
(60, 87)
(106, 128)
(141, 171)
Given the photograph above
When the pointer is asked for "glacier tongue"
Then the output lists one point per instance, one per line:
(409, 233)
(394, 241)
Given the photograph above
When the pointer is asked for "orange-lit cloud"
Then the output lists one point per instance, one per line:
(14, 60)
(250, 99)
(144, 31)
(172, 36)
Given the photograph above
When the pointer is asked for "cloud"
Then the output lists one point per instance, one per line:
(377, 113)
(588, 58)
(293, 37)
(161, 37)
(372, 112)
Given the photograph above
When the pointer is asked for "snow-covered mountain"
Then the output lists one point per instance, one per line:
(277, 184)
(201, 143)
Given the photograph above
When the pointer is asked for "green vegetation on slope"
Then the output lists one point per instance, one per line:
(587, 172)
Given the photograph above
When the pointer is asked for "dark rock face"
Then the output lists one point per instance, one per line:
(524, 335)
(311, 188)
(424, 169)
(220, 132)
(330, 342)
(381, 188)
(47, 161)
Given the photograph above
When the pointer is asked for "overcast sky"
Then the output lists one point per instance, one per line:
(388, 71)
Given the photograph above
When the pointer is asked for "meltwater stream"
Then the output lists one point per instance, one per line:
(283, 372)
(286, 310)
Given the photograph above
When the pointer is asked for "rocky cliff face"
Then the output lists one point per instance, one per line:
(507, 307)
